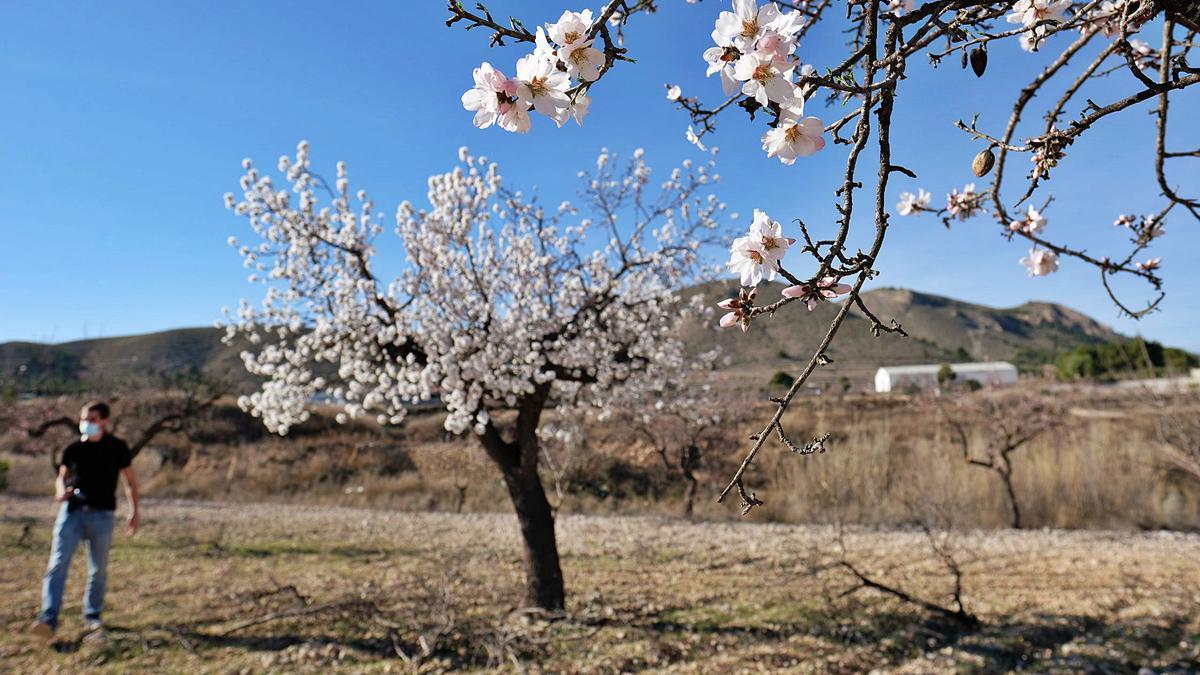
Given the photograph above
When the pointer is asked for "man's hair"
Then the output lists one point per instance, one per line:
(98, 407)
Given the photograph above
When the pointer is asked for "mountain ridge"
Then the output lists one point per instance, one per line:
(940, 329)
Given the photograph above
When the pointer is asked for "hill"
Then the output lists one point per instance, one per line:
(940, 329)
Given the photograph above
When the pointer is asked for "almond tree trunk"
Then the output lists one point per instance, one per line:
(543, 574)
(518, 464)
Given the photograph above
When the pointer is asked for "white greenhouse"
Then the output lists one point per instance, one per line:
(902, 378)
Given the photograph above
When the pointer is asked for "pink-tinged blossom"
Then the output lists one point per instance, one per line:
(826, 289)
(1040, 262)
(964, 204)
(1145, 56)
(738, 309)
(911, 205)
(674, 92)
(747, 261)
(794, 135)
(1125, 220)
(1106, 18)
(899, 7)
(1151, 264)
(743, 26)
(1033, 222)
(764, 79)
(1030, 13)
(769, 234)
(498, 100)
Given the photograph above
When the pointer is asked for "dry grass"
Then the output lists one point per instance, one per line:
(273, 588)
(1102, 468)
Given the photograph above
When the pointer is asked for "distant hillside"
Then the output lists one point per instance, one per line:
(104, 363)
(940, 329)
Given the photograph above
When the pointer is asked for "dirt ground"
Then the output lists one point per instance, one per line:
(209, 587)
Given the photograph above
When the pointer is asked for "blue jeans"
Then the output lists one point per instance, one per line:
(96, 527)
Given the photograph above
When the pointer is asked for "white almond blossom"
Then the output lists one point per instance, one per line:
(584, 62)
(764, 79)
(1031, 13)
(745, 24)
(746, 260)
(769, 235)
(911, 205)
(579, 108)
(794, 135)
(547, 86)
(570, 31)
(1040, 262)
(1033, 222)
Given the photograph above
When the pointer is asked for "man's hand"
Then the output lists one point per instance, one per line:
(131, 494)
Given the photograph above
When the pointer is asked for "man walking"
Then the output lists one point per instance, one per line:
(87, 486)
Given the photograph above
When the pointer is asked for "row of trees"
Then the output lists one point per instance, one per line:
(1110, 360)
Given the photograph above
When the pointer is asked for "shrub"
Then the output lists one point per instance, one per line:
(781, 379)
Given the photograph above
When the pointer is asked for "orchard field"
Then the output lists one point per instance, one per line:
(209, 587)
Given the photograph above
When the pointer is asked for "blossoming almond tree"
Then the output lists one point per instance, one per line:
(759, 56)
(502, 310)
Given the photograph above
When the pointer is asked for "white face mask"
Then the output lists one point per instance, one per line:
(89, 429)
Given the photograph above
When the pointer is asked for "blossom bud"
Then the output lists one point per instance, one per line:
(983, 162)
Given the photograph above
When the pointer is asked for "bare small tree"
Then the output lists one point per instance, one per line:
(1008, 423)
(1178, 430)
(682, 428)
(149, 414)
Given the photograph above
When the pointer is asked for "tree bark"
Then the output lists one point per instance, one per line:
(690, 460)
(543, 573)
(518, 464)
(1006, 476)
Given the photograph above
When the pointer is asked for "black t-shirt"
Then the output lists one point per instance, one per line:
(92, 468)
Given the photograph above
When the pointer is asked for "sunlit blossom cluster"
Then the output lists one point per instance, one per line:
(498, 296)
(756, 257)
(963, 204)
(754, 55)
(563, 53)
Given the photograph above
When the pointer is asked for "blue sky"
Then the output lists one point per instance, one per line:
(124, 123)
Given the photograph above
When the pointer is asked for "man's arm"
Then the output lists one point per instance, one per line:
(131, 495)
(60, 484)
